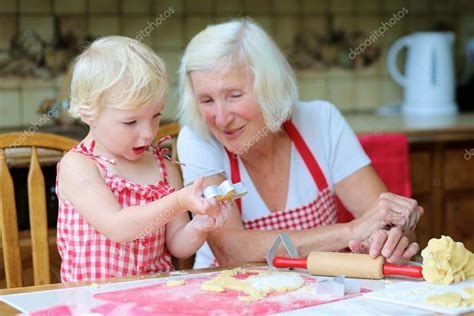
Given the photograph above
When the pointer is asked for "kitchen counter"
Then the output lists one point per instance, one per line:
(77, 132)
(417, 129)
(459, 128)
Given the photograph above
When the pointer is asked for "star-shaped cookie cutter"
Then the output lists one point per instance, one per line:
(225, 191)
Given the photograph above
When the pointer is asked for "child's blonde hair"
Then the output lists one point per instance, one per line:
(116, 71)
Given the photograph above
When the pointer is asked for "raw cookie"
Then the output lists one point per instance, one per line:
(255, 286)
(470, 291)
(446, 261)
(450, 299)
(175, 283)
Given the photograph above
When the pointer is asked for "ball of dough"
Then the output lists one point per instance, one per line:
(446, 261)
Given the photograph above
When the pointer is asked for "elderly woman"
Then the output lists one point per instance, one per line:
(242, 121)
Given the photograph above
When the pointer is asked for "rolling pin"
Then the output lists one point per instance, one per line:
(352, 265)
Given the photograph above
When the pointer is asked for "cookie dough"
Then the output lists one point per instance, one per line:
(255, 286)
(175, 283)
(452, 299)
(446, 261)
(470, 291)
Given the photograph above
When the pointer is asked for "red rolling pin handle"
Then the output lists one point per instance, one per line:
(409, 271)
(282, 262)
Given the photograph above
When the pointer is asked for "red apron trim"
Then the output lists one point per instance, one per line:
(303, 150)
(234, 174)
(306, 154)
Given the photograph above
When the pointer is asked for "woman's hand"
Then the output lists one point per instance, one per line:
(191, 198)
(383, 228)
(392, 244)
(405, 212)
(389, 210)
(206, 223)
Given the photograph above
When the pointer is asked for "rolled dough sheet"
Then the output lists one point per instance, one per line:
(256, 286)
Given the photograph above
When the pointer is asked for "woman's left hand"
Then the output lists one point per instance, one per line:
(206, 223)
(391, 244)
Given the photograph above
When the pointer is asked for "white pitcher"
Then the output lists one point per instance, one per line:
(429, 80)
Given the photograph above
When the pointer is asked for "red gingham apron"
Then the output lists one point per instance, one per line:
(319, 212)
(88, 255)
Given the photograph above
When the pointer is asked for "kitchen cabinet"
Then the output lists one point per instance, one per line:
(442, 175)
(460, 219)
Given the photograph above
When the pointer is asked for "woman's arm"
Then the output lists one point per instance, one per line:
(359, 190)
(233, 244)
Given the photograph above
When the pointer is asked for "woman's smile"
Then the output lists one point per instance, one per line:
(231, 134)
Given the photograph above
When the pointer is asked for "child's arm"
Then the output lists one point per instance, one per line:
(185, 237)
(81, 183)
(182, 240)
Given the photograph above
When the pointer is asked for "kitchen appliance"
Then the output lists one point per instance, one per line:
(429, 80)
(336, 263)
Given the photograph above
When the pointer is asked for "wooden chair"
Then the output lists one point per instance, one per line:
(37, 206)
(171, 129)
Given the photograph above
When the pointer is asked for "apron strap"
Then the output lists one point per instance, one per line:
(234, 174)
(306, 154)
(302, 148)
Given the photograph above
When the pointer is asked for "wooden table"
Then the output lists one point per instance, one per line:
(353, 305)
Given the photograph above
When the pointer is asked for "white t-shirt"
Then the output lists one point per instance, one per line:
(326, 133)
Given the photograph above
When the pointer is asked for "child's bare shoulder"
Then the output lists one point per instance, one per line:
(74, 164)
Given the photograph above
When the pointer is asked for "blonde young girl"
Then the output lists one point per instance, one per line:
(122, 208)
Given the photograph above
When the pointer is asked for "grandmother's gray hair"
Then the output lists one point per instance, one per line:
(239, 42)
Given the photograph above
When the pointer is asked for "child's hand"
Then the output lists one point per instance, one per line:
(191, 199)
(206, 223)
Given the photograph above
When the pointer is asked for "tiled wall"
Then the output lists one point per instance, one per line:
(351, 90)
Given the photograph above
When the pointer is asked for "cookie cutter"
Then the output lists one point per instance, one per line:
(225, 191)
(283, 238)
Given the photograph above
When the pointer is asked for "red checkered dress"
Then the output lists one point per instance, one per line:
(88, 255)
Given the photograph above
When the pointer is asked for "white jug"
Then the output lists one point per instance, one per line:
(429, 80)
